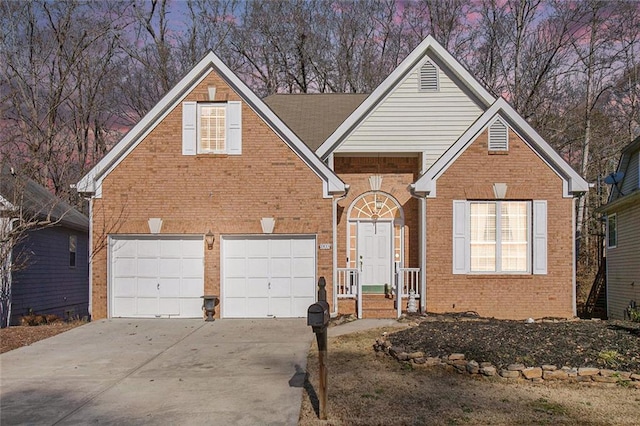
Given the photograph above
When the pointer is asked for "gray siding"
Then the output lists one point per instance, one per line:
(46, 283)
(631, 179)
(623, 263)
(409, 120)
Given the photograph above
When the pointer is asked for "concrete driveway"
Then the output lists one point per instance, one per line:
(227, 372)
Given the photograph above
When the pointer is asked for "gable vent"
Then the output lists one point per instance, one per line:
(498, 136)
(428, 77)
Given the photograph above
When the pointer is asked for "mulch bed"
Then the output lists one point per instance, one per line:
(602, 344)
(17, 336)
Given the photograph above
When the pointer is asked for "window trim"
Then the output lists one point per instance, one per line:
(613, 216)
(498, 242)
(199, 150)
(73, 251)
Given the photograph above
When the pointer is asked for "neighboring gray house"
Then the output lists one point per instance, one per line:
(622, 213)
(45, 252)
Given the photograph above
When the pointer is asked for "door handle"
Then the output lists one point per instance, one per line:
(269, 286)
(158, 287)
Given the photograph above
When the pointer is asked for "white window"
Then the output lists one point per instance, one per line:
(499, 237)
(612, 231)
(498, 136)
(212, 128)
(73, 248)
(428, 78)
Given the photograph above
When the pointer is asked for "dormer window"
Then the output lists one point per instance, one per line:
(428, 78)
(498, 136)
(212, 128)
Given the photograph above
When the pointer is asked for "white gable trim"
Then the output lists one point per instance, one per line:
(413, 60)
(91, 182)
(572, 181)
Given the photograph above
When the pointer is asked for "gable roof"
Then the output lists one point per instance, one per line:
(616, 198)
(91, 182)
(18, 191)
(313, 117)
(428, 45)
(572, 181)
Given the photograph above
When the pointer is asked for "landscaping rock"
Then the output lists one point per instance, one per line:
(532, 373)
(395, 350)
(473, 367)
(403, 356)
(485, 364)
(548, 367)
(604, 379)
(588, 371)
(432, 361)
(489, 371)
(419, 360)
(571, 372)
(454, 357)
(554, 375)
(515, 367)
(635, 377)
(508, 374)
(414, 355)
(607, 373)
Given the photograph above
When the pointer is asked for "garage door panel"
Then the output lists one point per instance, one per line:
(280, 287)
(124, 248)
(123, 306)
(281, 306)
(147, 287)
(148, 248)
(191, 287)
(234, 248)
(257, 248)
(192, 268)
(125, 287)
(169, 287)
(305, 287)
(147, 306)
(301, 304)
(235, 267)
(257, 287)
(281, 267)
(235, 287)
(172, 248)
(124, 267)
(169, 306)
(304, 248)
(280, 248)
(256, 308)
(148, 267)
(191, 305)
(235, 307)
(304, 267)
(257, 267)
(170, 267)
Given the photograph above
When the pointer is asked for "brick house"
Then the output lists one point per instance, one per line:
(216, 191)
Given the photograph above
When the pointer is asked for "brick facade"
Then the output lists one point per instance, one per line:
(471, 177)
(224, 194)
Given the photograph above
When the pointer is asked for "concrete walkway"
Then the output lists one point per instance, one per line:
(227, 372)
(363, 325)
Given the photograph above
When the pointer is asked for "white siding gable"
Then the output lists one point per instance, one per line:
(410, 120)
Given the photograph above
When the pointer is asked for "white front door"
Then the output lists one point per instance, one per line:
(374, 253)
(271, 276)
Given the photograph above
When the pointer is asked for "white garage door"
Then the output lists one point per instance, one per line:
(268, 276)
(157, 277)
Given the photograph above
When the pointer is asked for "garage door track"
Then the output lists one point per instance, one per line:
(240, 372)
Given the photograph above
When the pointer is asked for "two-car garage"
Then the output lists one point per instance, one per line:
(163, 276)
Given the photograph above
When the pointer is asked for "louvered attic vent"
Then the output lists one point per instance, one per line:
(428, 77)
(498, 136)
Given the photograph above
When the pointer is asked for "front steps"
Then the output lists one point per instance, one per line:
(378, 306)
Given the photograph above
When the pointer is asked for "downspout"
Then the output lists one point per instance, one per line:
(422, 247)
(90, 306)
(573, 256)
(334, 312)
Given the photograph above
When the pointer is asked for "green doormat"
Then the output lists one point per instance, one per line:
(373, 289)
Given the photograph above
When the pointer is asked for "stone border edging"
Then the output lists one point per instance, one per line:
(457, 362)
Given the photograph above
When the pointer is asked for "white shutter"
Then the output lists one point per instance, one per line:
(234, 128)
(460, 238)
(189, 128)
(540, 237)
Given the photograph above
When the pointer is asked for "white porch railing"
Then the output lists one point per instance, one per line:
(407, 280)
(349, 286)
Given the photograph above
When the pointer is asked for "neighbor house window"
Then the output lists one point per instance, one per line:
(499, 236)
(612, 231)
(212, 128)
(73, 247)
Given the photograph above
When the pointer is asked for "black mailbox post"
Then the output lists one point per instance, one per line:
(318, 318)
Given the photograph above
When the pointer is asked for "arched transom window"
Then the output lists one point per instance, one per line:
(375, 205)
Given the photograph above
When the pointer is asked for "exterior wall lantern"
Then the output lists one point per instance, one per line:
(209, 238)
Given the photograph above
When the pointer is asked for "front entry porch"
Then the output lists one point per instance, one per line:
(354, 297)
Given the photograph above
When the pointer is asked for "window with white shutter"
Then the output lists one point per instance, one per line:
(499, 237)
(212, 128)
(498, 136)
(428, 81)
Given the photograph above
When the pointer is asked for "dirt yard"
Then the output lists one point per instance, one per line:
(370, 388)
(17, 336)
